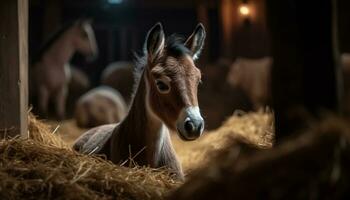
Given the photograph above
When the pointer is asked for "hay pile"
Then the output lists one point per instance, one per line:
(254, 128)
(315, 165)
(42, 133)
(67, 130)
(43, 167)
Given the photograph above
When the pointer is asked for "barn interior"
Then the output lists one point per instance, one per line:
(274, 96)
(121, 28)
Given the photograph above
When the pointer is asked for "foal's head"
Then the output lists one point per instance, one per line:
(172, 78)
(84, 39)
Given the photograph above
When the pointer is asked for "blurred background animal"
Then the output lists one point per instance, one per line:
(102, 105)
(252, 76)
(51, 71)
(119, 75)
(78, 85)
(227, 99)
(79, 81)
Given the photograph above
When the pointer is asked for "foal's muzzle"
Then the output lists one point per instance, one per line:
(190, 124)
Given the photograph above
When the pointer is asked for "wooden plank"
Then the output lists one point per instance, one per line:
(304, 80)
(13, 67)
(228, 14)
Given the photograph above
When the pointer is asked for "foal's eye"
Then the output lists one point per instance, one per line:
(162, 86)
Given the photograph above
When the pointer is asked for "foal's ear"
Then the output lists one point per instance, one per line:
(154, 44)
(195, 42)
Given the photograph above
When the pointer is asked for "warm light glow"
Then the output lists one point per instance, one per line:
(244, 10)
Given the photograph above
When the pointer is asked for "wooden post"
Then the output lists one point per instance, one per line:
(228, 18)
(13, 67)
(304, 71)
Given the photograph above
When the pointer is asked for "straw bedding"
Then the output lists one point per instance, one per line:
(223, 164)
(255, 129)
(314, 165)
(42, 133)
(45, 167)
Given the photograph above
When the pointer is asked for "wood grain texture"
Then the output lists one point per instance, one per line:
(13, 67)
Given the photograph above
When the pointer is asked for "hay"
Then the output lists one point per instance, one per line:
(253, 128)
(43, 167)
(43, 133)
(315, 165)
(68, 130)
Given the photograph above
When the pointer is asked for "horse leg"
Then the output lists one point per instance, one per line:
(43, 100)
(60, 103)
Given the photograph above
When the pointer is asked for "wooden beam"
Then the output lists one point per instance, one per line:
(229, 22)
(304, 80)
(13, 67)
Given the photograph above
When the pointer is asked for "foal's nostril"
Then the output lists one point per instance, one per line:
(189, 126)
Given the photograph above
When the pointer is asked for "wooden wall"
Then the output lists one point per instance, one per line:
(304, 79)
(244, 36)
(13, 67)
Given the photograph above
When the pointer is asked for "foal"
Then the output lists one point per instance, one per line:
(166, 98)
(51, 69)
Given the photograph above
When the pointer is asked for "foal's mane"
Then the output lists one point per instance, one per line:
(174, 46)
(52, 39)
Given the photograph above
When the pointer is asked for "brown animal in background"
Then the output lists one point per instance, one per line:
(102, 105)
(227, 99)
(78, 85)
(119, 75)
(166, 98)
(215, 72)
(79, 80)
(253, 77)
(51, 69)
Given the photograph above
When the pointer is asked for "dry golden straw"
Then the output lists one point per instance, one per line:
(43, 167)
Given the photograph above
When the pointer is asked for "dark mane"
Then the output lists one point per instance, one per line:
(52, 39)
(174, 46)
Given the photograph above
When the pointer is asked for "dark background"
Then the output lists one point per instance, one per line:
(121, 28)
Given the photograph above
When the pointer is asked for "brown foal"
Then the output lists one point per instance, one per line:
(165, 98)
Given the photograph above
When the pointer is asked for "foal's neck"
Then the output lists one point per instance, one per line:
(142, 129)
